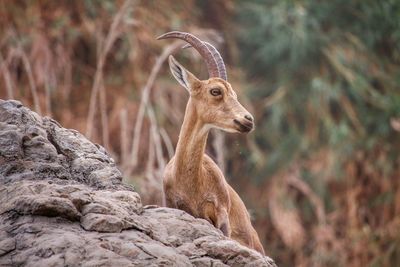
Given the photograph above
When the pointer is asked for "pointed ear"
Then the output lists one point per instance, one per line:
(182, 75)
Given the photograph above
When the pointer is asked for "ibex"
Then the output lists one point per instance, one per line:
(192, 181)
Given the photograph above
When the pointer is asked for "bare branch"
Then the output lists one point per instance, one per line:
(156, 137)
(112, 35)
(294, 180)
(150, 159)
(7, 77)
(104, 118)
(168, 143)
(123, 117)
(145, 99)
(32, 84)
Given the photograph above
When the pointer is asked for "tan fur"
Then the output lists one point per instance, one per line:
(192, 180)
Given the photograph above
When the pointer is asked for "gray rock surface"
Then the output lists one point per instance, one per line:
(63, 203)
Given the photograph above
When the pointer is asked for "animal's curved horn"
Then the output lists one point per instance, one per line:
(218, 58)
(201, 47)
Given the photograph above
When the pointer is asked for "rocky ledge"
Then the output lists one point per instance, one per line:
(63, 203)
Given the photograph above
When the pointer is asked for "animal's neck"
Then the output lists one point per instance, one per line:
(191, 145)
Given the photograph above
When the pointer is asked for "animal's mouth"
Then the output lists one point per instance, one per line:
(243, 127)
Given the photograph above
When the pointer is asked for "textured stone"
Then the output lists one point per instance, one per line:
(63, 203)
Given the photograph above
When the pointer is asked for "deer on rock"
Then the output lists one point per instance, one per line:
(192, 180)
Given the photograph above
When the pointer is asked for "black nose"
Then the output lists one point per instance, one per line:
(248, 117)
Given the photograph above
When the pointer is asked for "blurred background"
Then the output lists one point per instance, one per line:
(320, 175)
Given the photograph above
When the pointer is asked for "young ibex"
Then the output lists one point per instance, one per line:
(192, 181)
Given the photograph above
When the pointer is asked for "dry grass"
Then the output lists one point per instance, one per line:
(97, 68)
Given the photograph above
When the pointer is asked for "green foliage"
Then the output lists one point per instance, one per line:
(334, 60)
(327, 74)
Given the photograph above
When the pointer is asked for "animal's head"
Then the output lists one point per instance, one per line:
(214, 99)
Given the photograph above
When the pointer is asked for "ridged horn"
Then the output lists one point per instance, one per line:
(204, 51)
(218, 58)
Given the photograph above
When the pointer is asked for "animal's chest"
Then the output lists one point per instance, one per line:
(187, 200)
(193, 193)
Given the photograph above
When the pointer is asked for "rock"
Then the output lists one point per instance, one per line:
(63, 203)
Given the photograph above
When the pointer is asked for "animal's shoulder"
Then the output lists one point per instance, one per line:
(209, 164)
(212, 171)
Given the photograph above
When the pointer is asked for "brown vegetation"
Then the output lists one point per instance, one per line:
(320, 173)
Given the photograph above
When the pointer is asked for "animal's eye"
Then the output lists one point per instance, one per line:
(215, 92)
